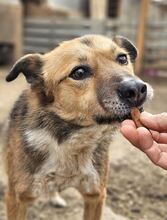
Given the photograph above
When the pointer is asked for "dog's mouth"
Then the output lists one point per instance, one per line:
(117, 112)
(128, 115)
(125, 95)
(102, 119)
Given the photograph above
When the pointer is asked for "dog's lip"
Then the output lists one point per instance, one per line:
(128, 116)
(115, 118)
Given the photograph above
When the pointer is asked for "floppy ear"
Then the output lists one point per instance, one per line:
(129, 46)
(30, 65)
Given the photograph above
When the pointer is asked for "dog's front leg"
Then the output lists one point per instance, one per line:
(16, 210)
(93, 205)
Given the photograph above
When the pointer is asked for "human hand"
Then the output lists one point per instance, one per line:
(152, 142)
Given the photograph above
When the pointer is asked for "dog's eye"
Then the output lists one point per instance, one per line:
(122, 59)
(80, 73)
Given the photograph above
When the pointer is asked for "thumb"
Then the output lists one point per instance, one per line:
(154, 122)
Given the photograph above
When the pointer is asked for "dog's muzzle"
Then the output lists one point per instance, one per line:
(119, 98)
(133, 92)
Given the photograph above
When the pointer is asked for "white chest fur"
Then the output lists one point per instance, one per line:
(69, 164)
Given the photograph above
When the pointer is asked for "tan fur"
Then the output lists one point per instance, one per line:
(41, 161)
(71, 53)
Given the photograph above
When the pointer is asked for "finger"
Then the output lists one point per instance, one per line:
(155, 122)
(159, 137)
(158, 155)
(130, 133)
(162, 162)
(145, 138)
(128, 122)
(156, 152)
(153, 152)
(163, 147)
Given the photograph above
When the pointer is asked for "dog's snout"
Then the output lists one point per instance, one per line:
(133, 92)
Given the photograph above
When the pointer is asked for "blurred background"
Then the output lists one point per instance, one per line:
(136, 188)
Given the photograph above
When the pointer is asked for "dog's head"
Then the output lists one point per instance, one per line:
(86, 80)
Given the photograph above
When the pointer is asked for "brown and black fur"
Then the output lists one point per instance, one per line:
(60, 128)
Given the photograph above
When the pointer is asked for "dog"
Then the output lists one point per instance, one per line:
(61, 126)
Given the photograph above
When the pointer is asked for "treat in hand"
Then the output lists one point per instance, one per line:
(135, 113)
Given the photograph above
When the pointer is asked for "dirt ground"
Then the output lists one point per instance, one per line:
(137, 189)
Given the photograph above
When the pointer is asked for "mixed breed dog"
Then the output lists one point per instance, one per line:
(61, 127)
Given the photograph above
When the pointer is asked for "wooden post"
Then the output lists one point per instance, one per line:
(18, 38)
(141, 34)
(11, 26)
(98, 9)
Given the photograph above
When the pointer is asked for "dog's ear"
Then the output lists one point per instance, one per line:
(129, 46)
(30, 65)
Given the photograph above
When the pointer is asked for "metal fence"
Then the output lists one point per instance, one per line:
(42, 35)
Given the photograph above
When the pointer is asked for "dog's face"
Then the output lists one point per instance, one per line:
(86, 80)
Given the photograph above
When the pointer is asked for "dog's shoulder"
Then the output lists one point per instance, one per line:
(20, 107)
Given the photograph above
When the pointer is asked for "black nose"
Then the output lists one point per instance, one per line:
(133, 92)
